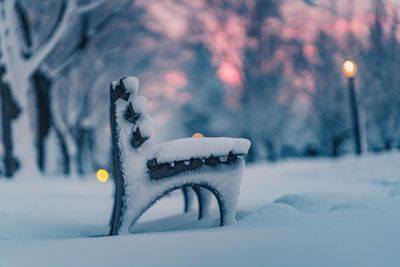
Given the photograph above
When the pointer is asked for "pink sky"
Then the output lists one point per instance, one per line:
(227, 41)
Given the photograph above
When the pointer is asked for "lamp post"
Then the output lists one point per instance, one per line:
(350, 70)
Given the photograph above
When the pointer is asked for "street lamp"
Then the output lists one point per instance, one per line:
(350, 70)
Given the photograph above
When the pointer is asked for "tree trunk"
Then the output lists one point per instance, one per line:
(15, 75)
(335, 146)
(85, 146)
(42, 86)
(79, 138)
(388, 144)
(272, 154)
(66, 161)
(9, 111)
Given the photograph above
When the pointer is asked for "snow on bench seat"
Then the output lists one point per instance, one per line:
(187, 154)
(187, 148)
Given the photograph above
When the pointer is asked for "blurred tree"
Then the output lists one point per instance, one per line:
(329, 106)
(36, 54)
(24, 50)
(241, 74)
(9, 111)
(80, 99)
(380, 87)
(263, 79)
(205, 106)
(255, 102)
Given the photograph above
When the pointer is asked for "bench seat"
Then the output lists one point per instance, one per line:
(173, 157)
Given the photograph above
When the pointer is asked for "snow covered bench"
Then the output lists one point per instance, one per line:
(144, 174)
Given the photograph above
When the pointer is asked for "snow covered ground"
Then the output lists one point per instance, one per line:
(342, 212)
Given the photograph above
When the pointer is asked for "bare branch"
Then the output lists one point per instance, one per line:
(71, 58)
(87, 35)
(63, 22)
(83, 9)
(60, 17)
(26, 26)
(107, 19)
(50, 44)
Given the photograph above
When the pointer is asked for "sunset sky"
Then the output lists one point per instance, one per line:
(299, 21)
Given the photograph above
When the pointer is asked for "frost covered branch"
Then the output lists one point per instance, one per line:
(25, 25)
(71, 9)
(87, 8)
(87, 34)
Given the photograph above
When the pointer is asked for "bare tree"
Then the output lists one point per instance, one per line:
(329, 109)
(33, 58)
(380, 85)
(262, 104)
(24, 54)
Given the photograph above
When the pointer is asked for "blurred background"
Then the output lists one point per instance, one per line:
(267, 70)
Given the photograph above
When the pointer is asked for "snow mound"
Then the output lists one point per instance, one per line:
(145, 124)
(131, 84)
(314, 203)
(268, 216)
(139, 103)
(395, 191)
(305, 202)
(348, 206)
(114, 84)
(187, 148)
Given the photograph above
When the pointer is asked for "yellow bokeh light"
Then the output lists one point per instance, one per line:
(349, 68)
(197, 135)
(102, 175)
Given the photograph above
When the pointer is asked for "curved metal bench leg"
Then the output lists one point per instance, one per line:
(118, 176)
(227, 212)
(228, 198)
(204, 197)
(188, 198)
(127, 222)
(136, 209)
(117, 208)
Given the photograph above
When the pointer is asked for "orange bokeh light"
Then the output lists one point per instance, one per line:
(197, 135)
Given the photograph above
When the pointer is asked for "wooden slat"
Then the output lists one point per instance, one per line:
(164, 170)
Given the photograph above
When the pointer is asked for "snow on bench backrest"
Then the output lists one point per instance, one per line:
(127, 89)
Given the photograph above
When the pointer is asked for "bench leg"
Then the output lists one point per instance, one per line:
(204, 197)
(228, 197)
(188, 198)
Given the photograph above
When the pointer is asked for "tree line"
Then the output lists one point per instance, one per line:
(286, 94)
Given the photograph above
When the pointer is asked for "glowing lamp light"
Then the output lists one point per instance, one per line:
(102, 175)
(197, 135)
(349, 68)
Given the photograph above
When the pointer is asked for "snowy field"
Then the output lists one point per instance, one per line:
(344, 212)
